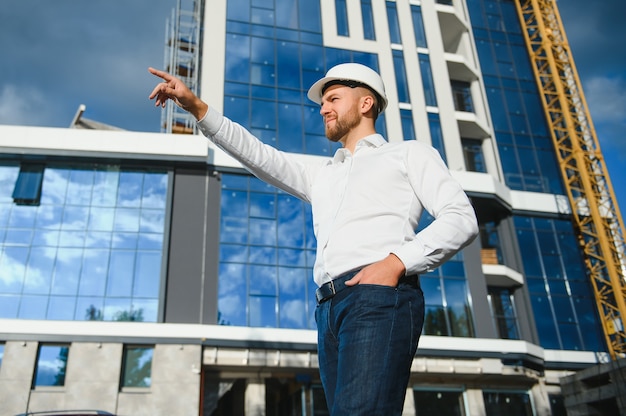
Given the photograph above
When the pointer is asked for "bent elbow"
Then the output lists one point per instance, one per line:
(470, 226)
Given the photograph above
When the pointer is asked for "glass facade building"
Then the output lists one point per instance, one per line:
(181, 278)
(552, 263)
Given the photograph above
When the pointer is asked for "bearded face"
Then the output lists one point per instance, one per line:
(338, 125)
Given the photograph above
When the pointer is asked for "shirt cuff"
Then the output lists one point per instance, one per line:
(210, 124)
(414, 263)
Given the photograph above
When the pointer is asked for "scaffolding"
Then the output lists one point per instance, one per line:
(182, 59)
(597, 220)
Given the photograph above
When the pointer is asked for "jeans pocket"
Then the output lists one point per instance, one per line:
(373, 295)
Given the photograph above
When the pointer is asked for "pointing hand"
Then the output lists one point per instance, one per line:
(174, 89)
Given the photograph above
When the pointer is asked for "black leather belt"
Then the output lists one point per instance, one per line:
(330, 289)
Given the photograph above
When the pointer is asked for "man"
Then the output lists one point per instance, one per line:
(366, 204)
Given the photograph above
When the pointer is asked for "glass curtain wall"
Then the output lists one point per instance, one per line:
(265, 272)
(560, 292)
(559, 288)
(267, 251)
(89, 249)
(524, 142)
(276, 62)
(267, 242)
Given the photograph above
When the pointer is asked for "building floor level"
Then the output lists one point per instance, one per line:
(212, 379)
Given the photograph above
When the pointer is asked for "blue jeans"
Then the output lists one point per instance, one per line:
(367, 338)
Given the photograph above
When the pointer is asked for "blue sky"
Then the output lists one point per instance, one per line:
(58, 54)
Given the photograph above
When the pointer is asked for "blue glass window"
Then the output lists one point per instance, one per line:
(462, 96)
(27, 189)
(51, 365)
(238, 65)
(341, 10)
(427, 80)
(137, 366)
(263, 13)
(267, 251)
(408, 131)
(473, 155)
(91, 250)
(288, 64)
(418, 26)
(448, 311)
(237, 12)
(401, 79)
(436, 135)
(447, 307)
(367, 14)
(394, 25)
(1, 354)
(287, 14)
(503, 312)
(309, 15)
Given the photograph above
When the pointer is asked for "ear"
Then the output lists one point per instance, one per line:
(367, 103)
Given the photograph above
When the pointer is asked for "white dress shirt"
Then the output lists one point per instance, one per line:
(365, 205)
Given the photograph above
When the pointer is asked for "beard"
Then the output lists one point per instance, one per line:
(343, 125)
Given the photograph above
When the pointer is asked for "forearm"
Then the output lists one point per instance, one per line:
(267, 163)
(438, 242)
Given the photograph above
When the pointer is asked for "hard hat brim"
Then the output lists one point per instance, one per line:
(315, 92)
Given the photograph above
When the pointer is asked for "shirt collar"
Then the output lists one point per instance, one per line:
(373, 141)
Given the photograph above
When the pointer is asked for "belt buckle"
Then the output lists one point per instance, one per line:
(320, 295)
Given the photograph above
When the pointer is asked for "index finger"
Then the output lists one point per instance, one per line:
(161, 74)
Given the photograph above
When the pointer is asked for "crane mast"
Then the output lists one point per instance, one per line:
(597, 220)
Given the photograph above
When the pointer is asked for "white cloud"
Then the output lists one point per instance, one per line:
(24, 106)
(12, 271)
(231, 305)
(292, 311)
(606, 98)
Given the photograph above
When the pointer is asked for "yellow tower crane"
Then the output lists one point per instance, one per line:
(597, 220)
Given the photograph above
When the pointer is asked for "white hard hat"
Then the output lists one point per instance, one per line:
(350, 72)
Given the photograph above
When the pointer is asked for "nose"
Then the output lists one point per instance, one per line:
(324, 108)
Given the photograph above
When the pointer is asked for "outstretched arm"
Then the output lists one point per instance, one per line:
(174, 89)
(274, 167)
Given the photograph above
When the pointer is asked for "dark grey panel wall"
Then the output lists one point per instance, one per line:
(477, 286)
(191, 288)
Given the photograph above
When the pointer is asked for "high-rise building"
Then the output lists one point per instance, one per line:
(150, 274)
